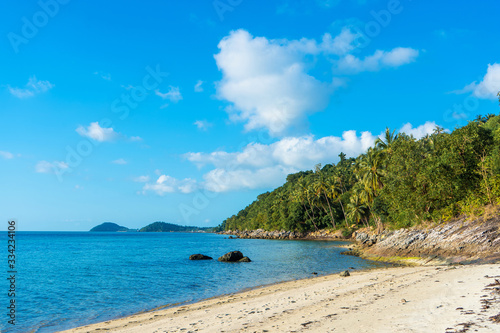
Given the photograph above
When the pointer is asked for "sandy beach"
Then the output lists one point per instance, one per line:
(401, 299)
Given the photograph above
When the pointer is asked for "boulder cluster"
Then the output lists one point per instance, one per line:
(283, 234)
(369, 239)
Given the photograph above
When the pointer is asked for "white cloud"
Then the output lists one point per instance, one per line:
(119, 161)
(135, 138)
(141, 179)
(267, 81)
(166, 184)
(380, 59)
(222, 180)
(261, 166)
(420, 131)
(341, 44)
(266, 166)
(489, 87)
(203, 125)
(173, 94)
(7, 155)
(104, 76)
(47, 167)
(32, 88)
(98, 133)
(299, 153)
(198, 86)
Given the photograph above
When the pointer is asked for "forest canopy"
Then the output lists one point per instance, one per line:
(398, 182)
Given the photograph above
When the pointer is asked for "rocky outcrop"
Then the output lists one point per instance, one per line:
(199, 257)
(282, 234)
(345, 274)
(462, 240)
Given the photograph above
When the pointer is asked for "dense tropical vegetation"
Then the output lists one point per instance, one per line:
(399, 182)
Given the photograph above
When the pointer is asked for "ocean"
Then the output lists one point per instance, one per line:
(69, 279)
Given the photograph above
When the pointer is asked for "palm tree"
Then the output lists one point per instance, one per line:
(301, 194)
(371, 173)
(371, 169)
(337, 190)
(438, 130)
(322, 189)
(389, 138)
(489, 116)
(356, 208)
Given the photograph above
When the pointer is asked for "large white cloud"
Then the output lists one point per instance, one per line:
(489, 87)
(264, 166)
(268, 83)
(291, 152)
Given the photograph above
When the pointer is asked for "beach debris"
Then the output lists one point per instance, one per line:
(234, 256)
(403, 301)
(345, 274)
(495, 319)
(199, 256)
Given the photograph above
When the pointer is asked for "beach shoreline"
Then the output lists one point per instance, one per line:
(397, 299)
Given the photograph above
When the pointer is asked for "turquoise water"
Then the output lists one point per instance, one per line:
(69, 279)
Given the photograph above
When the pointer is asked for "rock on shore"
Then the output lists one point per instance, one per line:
(458, 241)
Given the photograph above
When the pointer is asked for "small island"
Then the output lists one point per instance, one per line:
(110, 227)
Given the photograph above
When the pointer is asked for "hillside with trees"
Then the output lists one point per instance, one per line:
(399, 182)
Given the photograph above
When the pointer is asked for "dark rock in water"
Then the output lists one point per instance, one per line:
(314, 273)
(345, 273)
(231, 256)
(245, 259)
(199, 257)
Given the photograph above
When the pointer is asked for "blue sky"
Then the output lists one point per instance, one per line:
(185, 111)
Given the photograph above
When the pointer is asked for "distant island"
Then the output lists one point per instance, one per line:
(153, 227)
(169, 227)
(110, 227)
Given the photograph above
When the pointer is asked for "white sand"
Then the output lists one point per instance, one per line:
(438, 299)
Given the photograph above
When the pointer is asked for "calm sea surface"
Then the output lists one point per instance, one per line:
(68, 279)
